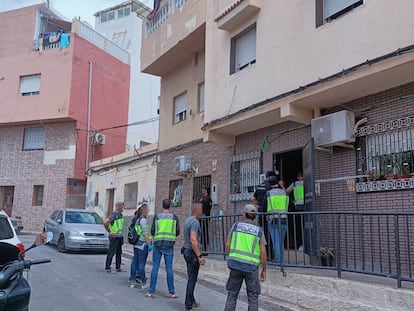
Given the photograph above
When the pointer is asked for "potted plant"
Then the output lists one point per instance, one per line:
(327, 256)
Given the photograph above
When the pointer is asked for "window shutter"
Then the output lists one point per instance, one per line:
(30, 84)
(246, 49)
(34, 139)
(180, 103)
(331, 7)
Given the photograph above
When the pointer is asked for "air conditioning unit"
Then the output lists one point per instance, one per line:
(338, 127)
(99, 139)
(182, 164)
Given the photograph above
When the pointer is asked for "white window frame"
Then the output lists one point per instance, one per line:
(34, 138)
(30, 85)
(180, 107)
(201, 97)
(243, 49)
(333, 7)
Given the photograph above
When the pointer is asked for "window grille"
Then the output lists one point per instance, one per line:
(200, 182)
(244, 175)
(34, 138)
(176, 192)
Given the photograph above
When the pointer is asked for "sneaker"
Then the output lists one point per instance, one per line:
(132, 284)
(196, 305)
(120, 270)
(109, 271)
(144, 286)
(150, 295)
(173, 295)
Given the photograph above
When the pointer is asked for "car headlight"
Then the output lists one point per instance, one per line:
(74, 233)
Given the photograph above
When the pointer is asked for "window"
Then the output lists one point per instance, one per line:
(104, 17)
(111, 15)
(200, 182)
(331, 9)
(30, 85)
(37, 199)
(201, 97)
(243, 49)
(177, 4)
(244, 174)
(34, 138)
(130, 195)
(385, 155)
(124, 12)
(96, 199)
(176, 192)
(180, 106)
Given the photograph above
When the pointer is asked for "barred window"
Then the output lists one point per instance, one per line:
(200, 182)
(385, 151)
(176, 192)
(244, 175)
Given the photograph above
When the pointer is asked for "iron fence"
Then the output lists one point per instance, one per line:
(374, 243)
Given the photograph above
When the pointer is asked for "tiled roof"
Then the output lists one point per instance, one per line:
(228, 10)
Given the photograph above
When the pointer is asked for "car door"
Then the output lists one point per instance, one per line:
(52, 225)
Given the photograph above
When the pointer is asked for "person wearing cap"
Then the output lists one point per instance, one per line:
(277, 206)
(246, 249)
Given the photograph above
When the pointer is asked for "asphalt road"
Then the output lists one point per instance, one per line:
(77, 281)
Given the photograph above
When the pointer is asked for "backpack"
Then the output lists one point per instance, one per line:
(133, 235)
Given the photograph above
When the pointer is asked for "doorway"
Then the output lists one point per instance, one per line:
(6, 199)
(288, 164)
(110, 199)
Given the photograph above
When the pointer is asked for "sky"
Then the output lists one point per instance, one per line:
(69, 8)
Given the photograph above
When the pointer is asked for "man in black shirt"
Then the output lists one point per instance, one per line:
(206, 203)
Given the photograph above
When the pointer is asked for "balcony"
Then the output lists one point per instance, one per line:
(172, 34)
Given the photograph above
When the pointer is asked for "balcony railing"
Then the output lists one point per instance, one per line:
(372, 243)
(162, 14)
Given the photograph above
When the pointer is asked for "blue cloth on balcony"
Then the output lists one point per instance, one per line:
(64, 40)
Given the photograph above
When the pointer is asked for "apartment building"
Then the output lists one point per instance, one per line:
(319, 87)
(173, 47)
(64, 91)
(122, 24)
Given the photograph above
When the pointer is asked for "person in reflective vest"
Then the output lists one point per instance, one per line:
(165, 229)
(114, 224)
(277, 206)
(246, 249)
(298, 192)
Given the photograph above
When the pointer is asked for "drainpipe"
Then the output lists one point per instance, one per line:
(89, 117)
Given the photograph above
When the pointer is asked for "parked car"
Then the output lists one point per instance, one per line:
(17, 224)
(7, 232)
(77, 229)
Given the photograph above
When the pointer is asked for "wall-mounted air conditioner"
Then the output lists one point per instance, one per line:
(338, 127)
(99, 139)
(182, 164)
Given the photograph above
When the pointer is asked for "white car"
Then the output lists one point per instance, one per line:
(7, 232)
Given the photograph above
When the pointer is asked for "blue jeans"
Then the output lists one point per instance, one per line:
(193, 267)
(134, 266)
(168, 253)
(142, 260)
(277, 232)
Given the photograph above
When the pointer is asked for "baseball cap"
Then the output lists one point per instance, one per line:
(249, 208)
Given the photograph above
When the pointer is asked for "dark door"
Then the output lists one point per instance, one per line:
(8, 195)
(110, 196)
(308, 158)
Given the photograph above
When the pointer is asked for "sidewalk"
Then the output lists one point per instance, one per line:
(304, 289)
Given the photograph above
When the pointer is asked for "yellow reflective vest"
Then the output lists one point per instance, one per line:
(245, 243)
(117, 226)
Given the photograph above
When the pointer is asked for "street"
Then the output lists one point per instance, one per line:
(77, 281)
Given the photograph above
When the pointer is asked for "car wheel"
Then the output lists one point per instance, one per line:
(61, 244)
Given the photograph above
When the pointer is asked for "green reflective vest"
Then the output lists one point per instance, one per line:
(245, 243)
(298, 192)
(277, 201)
(138, 229)
(117, 226)
(165, 228)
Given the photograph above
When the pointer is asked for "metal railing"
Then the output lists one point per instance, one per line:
(374, 243)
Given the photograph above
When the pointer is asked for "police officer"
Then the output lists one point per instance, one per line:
(165, 228)
(277, 206)
(114, 224)
(298, 192)
(246, 249)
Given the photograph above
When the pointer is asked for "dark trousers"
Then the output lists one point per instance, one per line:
(192, 274)
(115, 247)
(204, 224)
(234, 284)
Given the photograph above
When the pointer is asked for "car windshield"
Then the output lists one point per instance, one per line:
(6, 231)
(83, 218)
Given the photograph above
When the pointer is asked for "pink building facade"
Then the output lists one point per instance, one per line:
(61, 95)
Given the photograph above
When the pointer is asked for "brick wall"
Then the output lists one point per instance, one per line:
(24, 169)
(202, 155)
